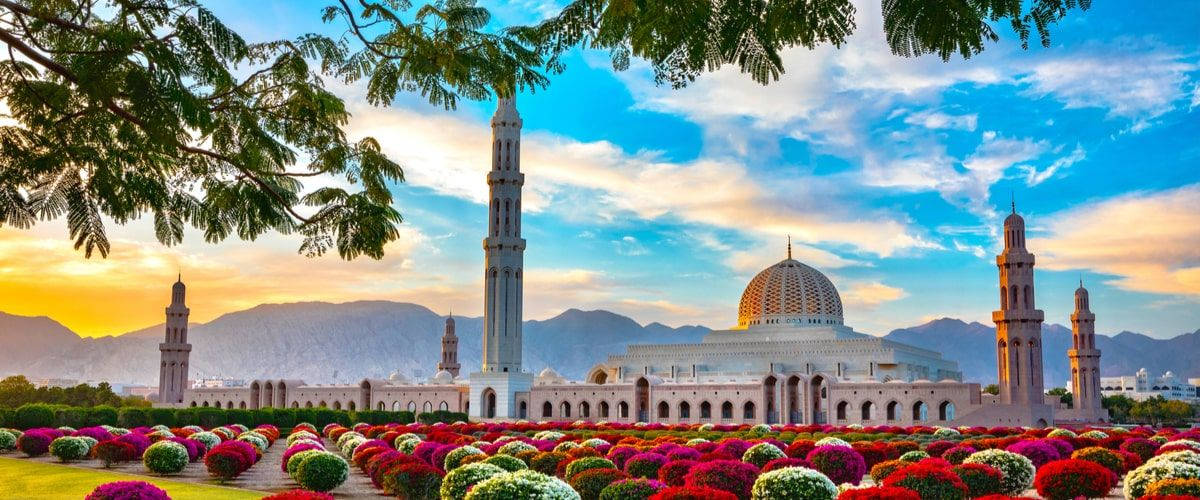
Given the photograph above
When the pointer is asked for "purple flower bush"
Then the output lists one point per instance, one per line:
(1038, 452)
(841, 464)
(127, 490)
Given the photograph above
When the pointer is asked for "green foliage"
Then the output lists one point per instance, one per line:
(69, 448)
(1160, 411)
(442, 416)
(34, 415)
(1118, 407)
(1064, 396)
(992, 389)
(322, 471)
(16, 390)
(456, 482)
(102, 415)
(161, 416)
(8, 440)
(156, 108)
(134, 417)
(165, 457)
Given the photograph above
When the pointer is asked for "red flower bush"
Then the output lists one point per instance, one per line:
(880, 493)
(1110, 459)
(299, 495)
(692, 493)
(980, 479)
(113, 451)
(1143, 448)
(672, 473)
(800, 448)
(1068, 479)
(839, 463)
(591, 482)
(930, 482)
(416, 480)
(780, 463)
(727, 475)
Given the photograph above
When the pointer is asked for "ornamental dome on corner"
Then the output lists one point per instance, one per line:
(790, 293)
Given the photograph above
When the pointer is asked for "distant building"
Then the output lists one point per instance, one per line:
(217, 383)
(54, 382)
(1142, 386)
(143, 391)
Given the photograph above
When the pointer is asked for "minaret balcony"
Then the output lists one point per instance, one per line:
(1018, 315)
(1083, 353)
(1084, 316)
(505, 177)
(1015, 256)
(174, 346)
(513, 242)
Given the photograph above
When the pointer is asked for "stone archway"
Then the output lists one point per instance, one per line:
(771, 415)
(489, 403)
(818, 395)
(794, 404)
(642, 399)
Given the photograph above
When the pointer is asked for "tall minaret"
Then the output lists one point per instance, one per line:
(449, 360)
(1018, 322)
(504, 249)
(1085, 360)
(173, 372)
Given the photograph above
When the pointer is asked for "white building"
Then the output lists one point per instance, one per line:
(1141, 386)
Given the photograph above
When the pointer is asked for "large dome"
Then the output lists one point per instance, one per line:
(790, 292)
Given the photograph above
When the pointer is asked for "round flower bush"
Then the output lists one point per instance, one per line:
(506, 462)
(1038, 452)
(884, 469)
(585, 463)
(930, 482)
(293, 462)
(832, 441)
(225, 462)
(780, 463)
(840, 463)
(36, 442)
(673, 473)
(322, 471)
(114, 451)
(299, 495)
(733, 476)
(521, 485)
(631, 489)
(455, 457)
(514, 447)
(957, 454)
(761, 453)
(644, 465)
(127, 490)
(8, 440)
(68, 448)
(796, 483)
(980, 480)
(1182, 457)
(591, 482)
(415, 480)
(914, 456)
(1143, 448)
(879, 493)
(1017, 470)
(456, 482)
(1107, 458)
(165, 457)
(1180, 487)
(692, 493)
(1137, 480)
(547, 462)
(1069, 479)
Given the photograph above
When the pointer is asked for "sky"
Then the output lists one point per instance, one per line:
(890, 174)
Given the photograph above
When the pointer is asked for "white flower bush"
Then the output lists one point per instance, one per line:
(946, 432)
(1093, 434)
(1138, 479)
(296, 436)
(407, 446)
(1061, 433)
(456, 456)
(521, 485)
(1017, 470)
(456, 482)
(549, 436)
(762, 453)
(707, 427)
(594, 443)
(515, 447)
(1179, 457)
(832, 441)
(209, 440)
(793, 483)
(566, 446)
(695, 441)
(760, 429)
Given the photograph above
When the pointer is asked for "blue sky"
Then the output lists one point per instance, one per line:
(890, 174)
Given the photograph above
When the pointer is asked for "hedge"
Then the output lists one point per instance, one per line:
(46, 415)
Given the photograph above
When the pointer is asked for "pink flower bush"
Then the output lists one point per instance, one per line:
(733, 476)
(127, 490)
(839, 463)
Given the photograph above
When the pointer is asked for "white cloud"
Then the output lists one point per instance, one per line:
(1147, 239)
(976, 250)
(1033, 176)
(630, 247)
(935, 120)
(868, 295)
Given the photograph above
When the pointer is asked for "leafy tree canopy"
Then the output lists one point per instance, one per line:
(155, 108)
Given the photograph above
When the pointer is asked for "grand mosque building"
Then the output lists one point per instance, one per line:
(790, 359)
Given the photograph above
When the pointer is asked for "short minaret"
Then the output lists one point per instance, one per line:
(1085, 360)
(174, 352)
(1018, 322)
(449, 360)
(494, 390)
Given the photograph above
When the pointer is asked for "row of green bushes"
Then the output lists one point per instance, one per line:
(45, 415)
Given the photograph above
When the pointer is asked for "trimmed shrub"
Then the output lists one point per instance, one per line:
(761, 453)
(36, 442)
(506, 462)
(1038, 452)
(113, 451)
(1143, 448)
(128, 490)
(673, 473)
(884, 469)
(521, 485)
(585, 463)
(733, 476)
(8, 440)
(1068, 479)
(980, 479)
(322, 471)
(165, 457)
(130, 417)
(879, 493)
(225, 463)
(456, 482)
(413, 481)
(454, 457)
(547, 462)
(930, 482)
(957, 454)
(793, 483)
(35, 415)
(840, 463)
(914, 456)
(1111, 460)
(631, 489)
(692, 493)
(299, 495)
(102, 415)
(1017, 470)
(589, 483)
(1137, 480)
(68, 448)
(644, 465)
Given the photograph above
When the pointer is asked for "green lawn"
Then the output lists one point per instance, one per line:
(28, 479)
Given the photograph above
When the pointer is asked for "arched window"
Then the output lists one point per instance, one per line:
(841, 410)
(920, 411)
(726, 410)
(564, 410)
(868, 410)
(705, 410)
(585, 410)
(604, 409)
(242, 405)
(444, 406)
(946, 411)
(1028, 297)
(623, 410)
(1012, 300)
(1003, 297)
(427, 407)
(412, 406)
(685, 410)
(893, 411)
(547, 410)
(337, 405)
(748, 410)
(664, 410)
(380, 406)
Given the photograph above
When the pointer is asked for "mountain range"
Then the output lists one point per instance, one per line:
(320, 342)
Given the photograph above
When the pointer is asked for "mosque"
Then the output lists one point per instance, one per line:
(790, 359)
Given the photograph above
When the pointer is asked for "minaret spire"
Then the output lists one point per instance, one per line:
(175, 350)
(789, 247)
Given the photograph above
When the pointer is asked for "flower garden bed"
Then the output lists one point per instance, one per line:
(611, 461)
